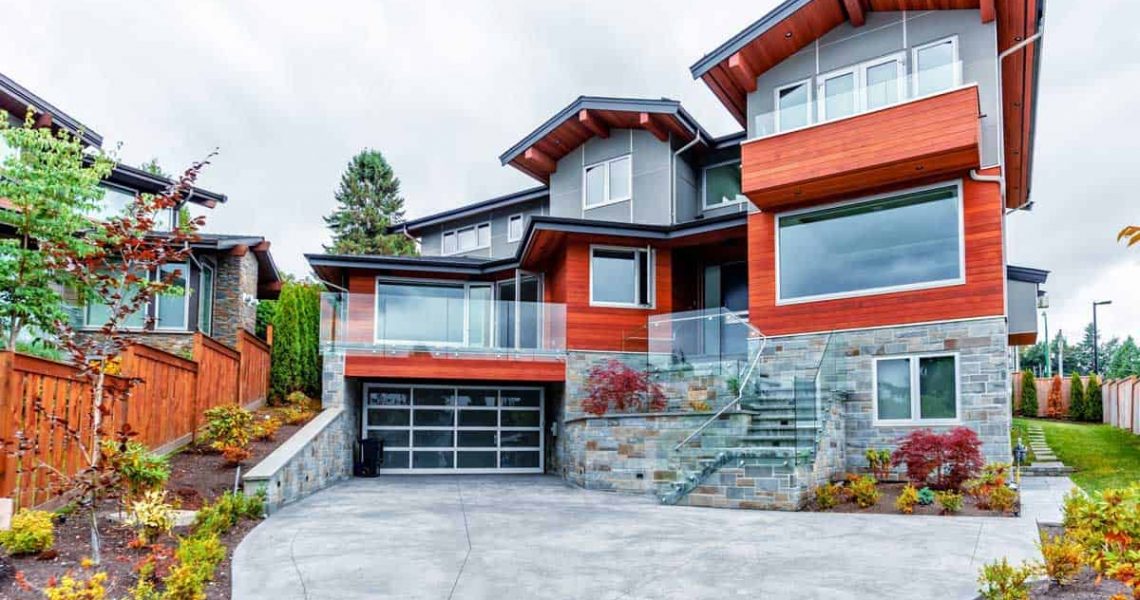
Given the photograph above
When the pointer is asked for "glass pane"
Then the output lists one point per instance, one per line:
(433, 459)
(484, 236)
(206, 301)
(619, 179)
(936, 69)
(115, 203)
(97, 314)
(722, 184)
(792, 105)
(937, 388)
(478, 418)
(467, 239)
(476, 397)
(905, 240)
(520, 439)
(389, 418)
(479, 308)
(882, 85)
(520, 418)
(393, 438)
(477, 439)
(839, 96)
(643, 278)
(595, 185)
(433, 439)
(172, 306)
(434, 418)
(449, 246)
(434, 397)
(528, 312)
(515, 228)
(389, 397)
(531, 398)
(395, 460)
(420, 313)
(518, 460)
(893, 388)
(612, 276)
(477, 460)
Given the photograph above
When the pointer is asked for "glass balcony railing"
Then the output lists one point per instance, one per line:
(446, 321)
(865, 88)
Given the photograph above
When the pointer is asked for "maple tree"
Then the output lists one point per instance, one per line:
(615, 386)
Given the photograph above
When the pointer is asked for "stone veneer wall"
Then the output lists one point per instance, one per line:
(179, 343)
(236, 276)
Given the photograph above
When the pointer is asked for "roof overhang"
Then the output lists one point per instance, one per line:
(730, 70)
(136, 179)
(538, 153)
(16, 99)
(268, 277)
(1026, 274)
(414, 226)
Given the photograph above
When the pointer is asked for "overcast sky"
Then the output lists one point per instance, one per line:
(289, 91)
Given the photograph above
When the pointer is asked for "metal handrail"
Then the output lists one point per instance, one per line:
(756, 334)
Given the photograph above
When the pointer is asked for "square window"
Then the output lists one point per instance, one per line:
(621, 277)
(916, 389)
(608, 181)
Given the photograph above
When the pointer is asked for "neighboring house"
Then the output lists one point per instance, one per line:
(220, 284)
(857, 225)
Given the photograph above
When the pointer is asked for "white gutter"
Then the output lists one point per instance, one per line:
(673, 177)
(1000, 179)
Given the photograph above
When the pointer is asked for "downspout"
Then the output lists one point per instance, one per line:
(1000, 179)
(673, 177)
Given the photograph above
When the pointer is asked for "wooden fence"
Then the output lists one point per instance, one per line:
(41, 399)
(1044, 384)
(1122, 403)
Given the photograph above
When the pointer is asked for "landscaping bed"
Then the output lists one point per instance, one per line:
(888, 496)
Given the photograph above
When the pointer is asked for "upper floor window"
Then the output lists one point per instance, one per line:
(608, 182)
(936, 67)
(862, 87)
(466, 239)
(514, 228)
(117, 200)
(621, 277)
(722, 185)
(887, 243)
(793, 106)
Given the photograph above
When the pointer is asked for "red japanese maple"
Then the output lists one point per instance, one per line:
(613, 386)
(950, 458)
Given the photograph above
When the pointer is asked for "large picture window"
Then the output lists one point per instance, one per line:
(607, 182)
(621, 277)
(916, 389)
(420, 312)
(891, 243)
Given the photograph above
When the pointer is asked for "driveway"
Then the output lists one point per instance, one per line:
(530, 537)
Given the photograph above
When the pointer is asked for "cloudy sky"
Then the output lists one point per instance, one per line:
(290, 90)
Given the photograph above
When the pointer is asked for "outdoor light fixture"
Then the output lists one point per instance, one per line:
(1096, 357)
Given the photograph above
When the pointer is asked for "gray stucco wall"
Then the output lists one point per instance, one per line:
(886, 33)
(431, 240)
(1022, 306)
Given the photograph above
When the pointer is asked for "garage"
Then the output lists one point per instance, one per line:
(455, 429)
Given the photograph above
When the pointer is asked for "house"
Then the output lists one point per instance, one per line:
(220, 284)
(820, 283)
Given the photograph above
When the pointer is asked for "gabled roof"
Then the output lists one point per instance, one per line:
(136, 179)
(538, 153)
(506, 200)
(16, 99)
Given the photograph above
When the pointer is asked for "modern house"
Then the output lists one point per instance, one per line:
(822, 282)
(221, 283)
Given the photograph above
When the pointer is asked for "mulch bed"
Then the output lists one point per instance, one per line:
(889, 492)
(196, 478)
(1084, 588)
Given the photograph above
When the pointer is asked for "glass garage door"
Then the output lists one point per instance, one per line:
(435, 429)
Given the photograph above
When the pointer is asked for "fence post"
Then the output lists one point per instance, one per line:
(9, 396)
(196, 354)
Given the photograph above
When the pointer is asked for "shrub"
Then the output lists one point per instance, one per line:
(865, 492)
(295, 362)
(1062, 558)
(827, 496)
(613, 386)
(31, 532)
(951, 502)
(235, 455)
(907, 500)
(951, 458)
(1093, 406)
(69, 588)
(1002, 499)
(879, 461)
(301, 401)
(293, 415)
(138, 468)
(1076, 397)
(151, 516)
(198, 557)
(1028, 405)
(1053, 408)
(1001, 581)
(224, 513)
(265, 428)
(926, 496)
(1107, 526)
(228, 425)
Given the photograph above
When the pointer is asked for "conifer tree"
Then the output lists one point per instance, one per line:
(1076, 397)
(1093, 404)
(368, 201)
(1028, 406)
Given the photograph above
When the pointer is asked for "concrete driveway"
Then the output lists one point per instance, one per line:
(502, 537)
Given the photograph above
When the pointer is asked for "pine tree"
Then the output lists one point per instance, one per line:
(1028, 406)
(1125, 361)
(1093, 404)
(368, 201)
(1076, 397)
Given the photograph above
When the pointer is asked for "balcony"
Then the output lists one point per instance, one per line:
(862, 137)
(444, 331)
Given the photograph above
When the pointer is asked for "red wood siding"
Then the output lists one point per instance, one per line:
(983, 294)
(427, 367)
(921, 139)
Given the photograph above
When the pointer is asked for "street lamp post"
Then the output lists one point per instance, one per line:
(1096, 357)
(1048, 350)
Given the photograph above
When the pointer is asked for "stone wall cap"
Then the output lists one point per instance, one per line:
(270, 465)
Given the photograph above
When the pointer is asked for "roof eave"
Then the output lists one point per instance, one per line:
(743, 38)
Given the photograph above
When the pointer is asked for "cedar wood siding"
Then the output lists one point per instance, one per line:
(983, 294)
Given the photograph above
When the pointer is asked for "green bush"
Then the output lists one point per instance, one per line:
(1002, 581)
(1076, 397)
(228, 426)
(295, 359)
(1028, 407)
(827, 496)
(226, 511)
(907, 500)
(32, 532)
(1093, 409)
(926, 496)
(138, 468)
(198, 557)
(864, 492)
(951, 502)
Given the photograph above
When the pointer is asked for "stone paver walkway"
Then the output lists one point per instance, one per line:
(1046, 462)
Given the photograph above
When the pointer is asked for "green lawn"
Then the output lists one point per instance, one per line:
(1019, 430)
(1104, 456)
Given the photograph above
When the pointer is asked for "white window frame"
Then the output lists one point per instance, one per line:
(185, 299)
(915, 419)
(960, 280)
(651, 263)
(899, 58)
(607, 165)
(459, 249)
(510, 221)
(953, 39)
(465, 285)
(808, 105)
(740, 198)
(821, 89)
